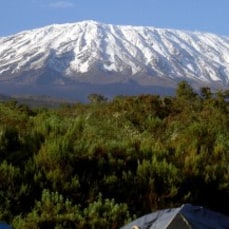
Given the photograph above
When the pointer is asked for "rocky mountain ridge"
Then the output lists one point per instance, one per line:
(89, 56)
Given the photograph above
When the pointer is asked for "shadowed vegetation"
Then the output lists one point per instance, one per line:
(99, 165)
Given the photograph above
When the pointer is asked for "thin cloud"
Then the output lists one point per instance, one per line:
(61, 4)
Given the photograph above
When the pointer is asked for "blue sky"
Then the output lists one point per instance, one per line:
(195, 15)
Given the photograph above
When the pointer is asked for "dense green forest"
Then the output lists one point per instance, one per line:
(102, 164)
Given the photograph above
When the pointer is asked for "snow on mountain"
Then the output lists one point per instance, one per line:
(113, 53)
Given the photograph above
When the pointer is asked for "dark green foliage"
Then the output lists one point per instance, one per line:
(97, 98)
(101, 164)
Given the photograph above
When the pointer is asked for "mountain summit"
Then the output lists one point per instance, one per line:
(89, 57)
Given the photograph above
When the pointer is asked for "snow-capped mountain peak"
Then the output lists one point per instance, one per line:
(89, 48)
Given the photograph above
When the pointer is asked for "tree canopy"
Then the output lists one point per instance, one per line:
(102, 164)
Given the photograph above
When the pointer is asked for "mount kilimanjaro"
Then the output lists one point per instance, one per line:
(74, 60)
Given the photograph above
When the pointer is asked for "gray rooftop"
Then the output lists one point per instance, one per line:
(185, 217)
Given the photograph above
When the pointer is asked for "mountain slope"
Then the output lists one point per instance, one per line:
(100, 54)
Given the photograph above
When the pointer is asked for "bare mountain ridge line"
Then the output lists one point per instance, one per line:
(97, 54)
